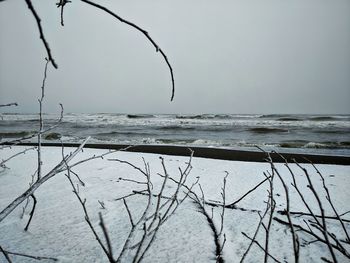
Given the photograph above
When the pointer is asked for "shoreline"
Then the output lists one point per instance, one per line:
(211, 153)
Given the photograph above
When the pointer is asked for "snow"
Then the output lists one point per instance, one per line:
(58, 228)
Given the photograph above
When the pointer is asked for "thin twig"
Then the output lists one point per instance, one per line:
(31, 213)
(108, 241)
(129, 213)
(41, 123)
(61, 5)
(247, 193)
(260, 246)
(2, 163)
(223, 194)
(27, 256)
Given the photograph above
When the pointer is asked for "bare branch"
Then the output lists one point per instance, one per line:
(144, 32)
(42, 37)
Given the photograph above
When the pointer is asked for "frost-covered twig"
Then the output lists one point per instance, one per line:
(313, 234)
(223, 195)
(2, 163)
(324, 224)
(87, 218)
(272, 209)
(151, 221)
(295, 238)
(57, 169)
(27, 203)
(329, 199)
(256, 231)
(41, 123)
(218, 244)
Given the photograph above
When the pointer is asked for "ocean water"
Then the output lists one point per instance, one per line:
(320, 134)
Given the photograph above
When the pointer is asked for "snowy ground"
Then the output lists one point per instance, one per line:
(58, 228)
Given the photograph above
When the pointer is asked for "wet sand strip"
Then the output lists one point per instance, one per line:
(212, 153)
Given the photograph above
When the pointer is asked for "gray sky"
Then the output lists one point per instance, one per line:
(229, 56)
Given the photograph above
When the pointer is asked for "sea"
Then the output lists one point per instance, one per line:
(315, 134)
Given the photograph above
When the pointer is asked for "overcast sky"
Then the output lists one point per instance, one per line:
(229, 56)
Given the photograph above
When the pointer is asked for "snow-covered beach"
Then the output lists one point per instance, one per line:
(59, 230)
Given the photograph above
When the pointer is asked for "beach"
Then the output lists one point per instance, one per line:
(58, 228)
(175, 132)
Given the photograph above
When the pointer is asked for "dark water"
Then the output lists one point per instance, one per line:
(322, 134)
